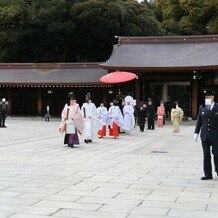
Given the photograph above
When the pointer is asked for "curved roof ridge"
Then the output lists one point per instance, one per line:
(160, 55)
(166, 39)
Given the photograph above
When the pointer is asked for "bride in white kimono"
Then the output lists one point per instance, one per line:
(128, 113)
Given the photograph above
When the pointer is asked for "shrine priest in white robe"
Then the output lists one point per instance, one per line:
(91, 120)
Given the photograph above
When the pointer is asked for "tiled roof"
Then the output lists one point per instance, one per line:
(156, 53)
(41, 74)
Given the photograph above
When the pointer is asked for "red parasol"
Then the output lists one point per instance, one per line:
(118, 77)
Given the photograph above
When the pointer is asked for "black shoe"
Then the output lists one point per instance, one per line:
(206, 178)
(89, 140)
(4, 126)
(86, 141)
(70, 145)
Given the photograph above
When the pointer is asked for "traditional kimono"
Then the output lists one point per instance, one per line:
(71, 124)
(176, 118)
(103, 118)
(91, 120)
(129, 119)
(160, 116)
(110, 123)
(116, 120)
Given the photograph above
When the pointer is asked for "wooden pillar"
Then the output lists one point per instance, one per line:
(39, 101)
(105, 97)
(165, 92)
(143, 90)
(137, 91)
(9, 101)
(194, 99)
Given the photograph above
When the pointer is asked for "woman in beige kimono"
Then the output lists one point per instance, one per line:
(176, 117)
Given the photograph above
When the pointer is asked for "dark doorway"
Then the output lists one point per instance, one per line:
(24, 101)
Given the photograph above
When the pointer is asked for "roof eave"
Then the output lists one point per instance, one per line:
(167, 39)
(180, 68)
(50, 84)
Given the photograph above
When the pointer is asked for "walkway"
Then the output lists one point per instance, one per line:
(150, 174)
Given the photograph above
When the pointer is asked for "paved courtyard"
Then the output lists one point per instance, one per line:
(150, 174)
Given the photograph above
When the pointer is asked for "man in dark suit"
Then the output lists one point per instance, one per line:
(142, 115)
(151, 114)
(207, 123)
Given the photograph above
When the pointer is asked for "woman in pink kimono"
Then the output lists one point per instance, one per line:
(160, 114)
(72, 122)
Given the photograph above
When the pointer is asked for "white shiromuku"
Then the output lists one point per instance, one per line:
(129, 120)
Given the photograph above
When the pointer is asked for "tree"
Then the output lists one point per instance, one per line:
(11, 16)
(188, 17)
(69, 30)
(98, 21)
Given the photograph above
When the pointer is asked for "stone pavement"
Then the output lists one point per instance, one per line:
(150, 174)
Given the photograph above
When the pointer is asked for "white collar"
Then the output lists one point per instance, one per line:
(212, 105)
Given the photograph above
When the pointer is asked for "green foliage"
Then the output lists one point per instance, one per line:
(171, 26)
(84, 30)
(69, 30)
(188, 17)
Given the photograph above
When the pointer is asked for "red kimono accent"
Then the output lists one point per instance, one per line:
(102, 132)
(114, 131)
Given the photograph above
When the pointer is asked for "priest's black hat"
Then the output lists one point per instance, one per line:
(115, 101)
(71, 96)
(88, 97)
(209, 92)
